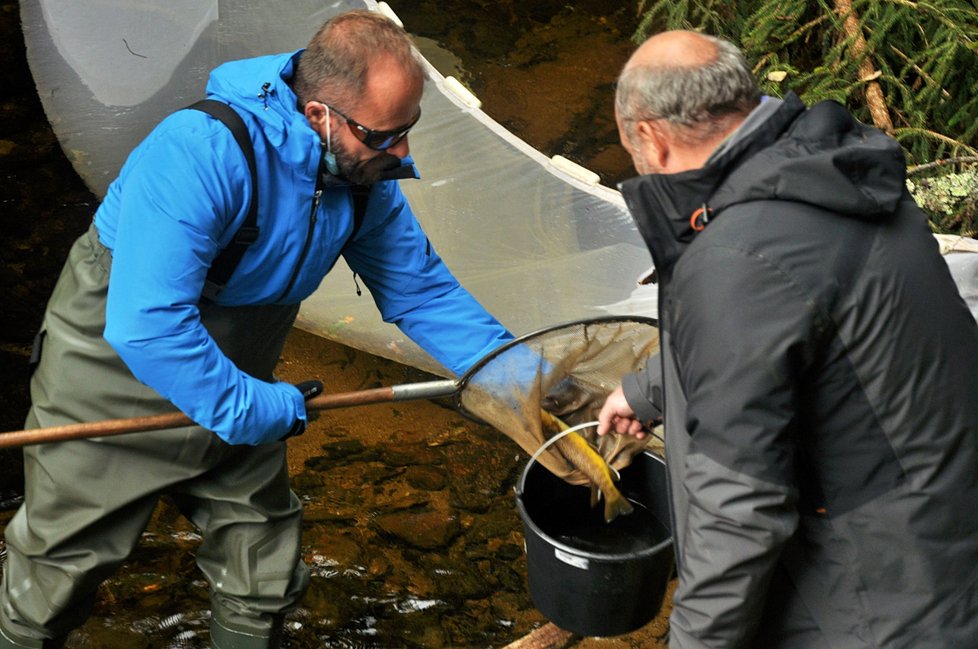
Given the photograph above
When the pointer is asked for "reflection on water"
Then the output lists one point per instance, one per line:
(413, 538)
(585, 530)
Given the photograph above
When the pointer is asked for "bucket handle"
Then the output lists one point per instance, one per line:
(568, 431)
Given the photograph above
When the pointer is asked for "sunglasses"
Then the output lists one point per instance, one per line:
(373, 139)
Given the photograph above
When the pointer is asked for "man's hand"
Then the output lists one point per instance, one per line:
(309, 389)
(616, 415)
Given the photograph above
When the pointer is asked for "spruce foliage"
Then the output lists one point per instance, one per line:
(910, 67)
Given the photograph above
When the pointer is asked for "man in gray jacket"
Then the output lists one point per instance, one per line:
(819, 368)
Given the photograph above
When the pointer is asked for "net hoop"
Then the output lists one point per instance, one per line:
(563, 433)
(502, 349)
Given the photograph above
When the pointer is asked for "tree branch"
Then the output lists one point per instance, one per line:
(916, 169)
(867, 72)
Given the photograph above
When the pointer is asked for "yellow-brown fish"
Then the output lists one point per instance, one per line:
(579, 453)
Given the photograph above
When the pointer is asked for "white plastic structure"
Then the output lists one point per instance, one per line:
(537, 240)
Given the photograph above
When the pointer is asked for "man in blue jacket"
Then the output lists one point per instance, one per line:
(136, 326)
(818, 363)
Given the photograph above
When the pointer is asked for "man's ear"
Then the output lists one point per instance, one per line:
(654, 143)
(316, 113)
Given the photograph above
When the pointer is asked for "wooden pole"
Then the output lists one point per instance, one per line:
(109, 427)
(548, 636)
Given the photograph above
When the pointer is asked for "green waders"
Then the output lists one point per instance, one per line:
(87, 502)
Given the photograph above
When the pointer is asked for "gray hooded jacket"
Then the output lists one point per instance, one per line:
(820, 373)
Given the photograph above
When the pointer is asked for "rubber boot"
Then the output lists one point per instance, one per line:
(223, 637)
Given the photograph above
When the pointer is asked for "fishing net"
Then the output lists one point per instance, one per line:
(568, 370)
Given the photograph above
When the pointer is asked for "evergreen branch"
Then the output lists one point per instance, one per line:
(934, 135)
(941, 16)
(941, 163)
(923, 74)
(955, 26)
(913, 62)
(807, 27)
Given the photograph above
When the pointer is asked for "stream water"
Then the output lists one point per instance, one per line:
(410, 527)
(544, 69)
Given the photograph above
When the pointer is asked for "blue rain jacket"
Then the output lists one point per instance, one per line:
(180, 198)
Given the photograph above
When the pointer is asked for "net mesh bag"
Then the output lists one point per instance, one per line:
(568, 370)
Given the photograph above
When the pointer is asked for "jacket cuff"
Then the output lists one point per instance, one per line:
(643, 392)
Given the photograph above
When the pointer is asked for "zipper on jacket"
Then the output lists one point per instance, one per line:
(305, 248)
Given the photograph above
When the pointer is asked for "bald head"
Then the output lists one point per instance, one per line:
(678, 95)
(337, 62)
(674, 49)
(695, 82)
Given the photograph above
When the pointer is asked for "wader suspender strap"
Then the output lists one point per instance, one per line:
(227, 260)
(360, 195)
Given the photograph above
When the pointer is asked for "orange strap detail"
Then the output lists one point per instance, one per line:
(700, 218)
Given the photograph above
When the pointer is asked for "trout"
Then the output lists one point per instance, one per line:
(584, 458)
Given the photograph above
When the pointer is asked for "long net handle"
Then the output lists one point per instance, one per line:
(110, 427)
(105, 428)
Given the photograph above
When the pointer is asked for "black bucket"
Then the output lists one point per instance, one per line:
(590, 577)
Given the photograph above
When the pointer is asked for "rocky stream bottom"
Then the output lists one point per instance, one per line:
(411, 533)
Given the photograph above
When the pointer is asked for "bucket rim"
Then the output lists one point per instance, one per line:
(586, 554)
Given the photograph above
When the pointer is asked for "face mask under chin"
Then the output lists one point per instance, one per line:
(363, 172)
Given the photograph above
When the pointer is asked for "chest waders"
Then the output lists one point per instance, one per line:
(95, 497)
(87, 502)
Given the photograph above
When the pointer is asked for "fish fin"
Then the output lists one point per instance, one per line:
(616, 506)
(595, 495)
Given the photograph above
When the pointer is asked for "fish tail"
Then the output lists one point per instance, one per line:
(592, 464)
(616, 505)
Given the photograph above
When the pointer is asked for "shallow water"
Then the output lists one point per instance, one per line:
(409, 531)
(544, 69)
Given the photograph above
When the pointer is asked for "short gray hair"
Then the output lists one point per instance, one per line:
(694, 100)
(336, 60)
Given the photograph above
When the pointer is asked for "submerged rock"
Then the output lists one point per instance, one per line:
(426, 530)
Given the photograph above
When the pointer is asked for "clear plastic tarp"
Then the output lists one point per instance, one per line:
(533, 243)
(536, 241)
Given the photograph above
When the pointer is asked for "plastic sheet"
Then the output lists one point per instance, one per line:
(536, 241)
(535, 245)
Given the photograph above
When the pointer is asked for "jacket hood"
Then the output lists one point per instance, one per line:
(820, 156)
(259, 87)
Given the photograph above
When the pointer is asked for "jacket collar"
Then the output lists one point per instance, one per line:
(670, 209)
(405, 171)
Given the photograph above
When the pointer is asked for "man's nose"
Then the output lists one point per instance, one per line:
(401, 149)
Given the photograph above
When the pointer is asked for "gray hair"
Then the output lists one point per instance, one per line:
(694, 100)
(334, 65)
